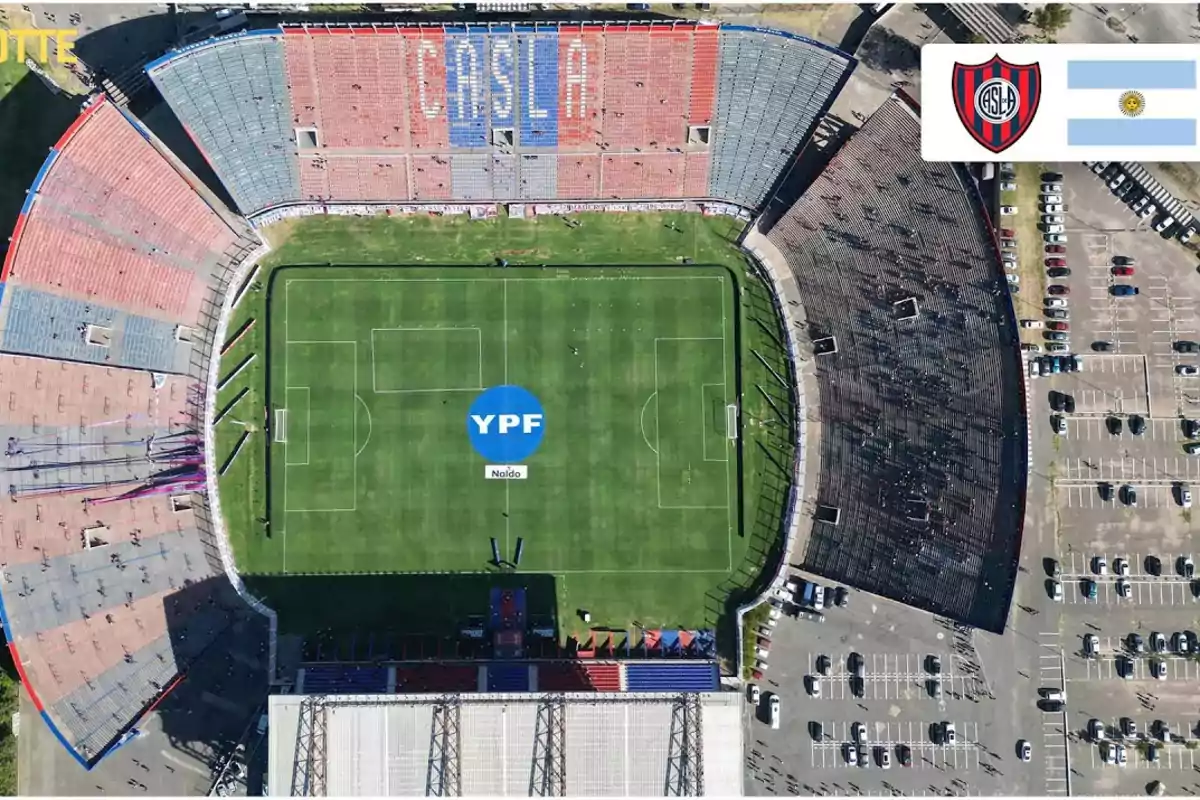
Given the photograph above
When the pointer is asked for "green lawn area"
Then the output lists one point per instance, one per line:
(597, 510)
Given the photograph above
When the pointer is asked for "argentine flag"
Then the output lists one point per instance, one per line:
(1131, 103)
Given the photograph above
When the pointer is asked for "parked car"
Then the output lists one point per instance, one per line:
(1055, 248)
(1008, 233)
(1115, 425)
(1057, 347)
(1032, 323)
(1056, 336)
(1120, 567)
(1187, 233)
(1058, 289)
(1058, 313)
(1056, 262)
(1008, 210)
(1185, 498)
(1124, 261)
(1031, 347)
(1054, 238)
(1058, 228)
(1091, 644)
(1123, 290)
(1053, 219)
(1124, 589)
(1052, 198)
(1122, 272)
(949, 736)
(1008, 244)
(1192, 448)
(1158, 642)
(1164, 222)
(1137, 425)
(1025, 749)
(1053, 208)
(1191, 428)
(1058, 272)
(1055, 302)
(1008, 186)
(1052, 177)
(1186, 370)
(1051, 188)
(1130, 495)
(1058, 424)
(1096, 730)
(1059, 326)
(1185, 346)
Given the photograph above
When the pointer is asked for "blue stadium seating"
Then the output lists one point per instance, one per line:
(343, 679)
(508, 678)
(671, 677)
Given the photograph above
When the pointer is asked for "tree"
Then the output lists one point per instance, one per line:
(1052, 17)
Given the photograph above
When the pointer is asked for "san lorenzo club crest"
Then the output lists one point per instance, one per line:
(997, 101)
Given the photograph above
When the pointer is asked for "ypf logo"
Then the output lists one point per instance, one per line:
(506, 424)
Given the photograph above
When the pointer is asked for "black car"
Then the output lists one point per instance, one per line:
(1102, 347)
(1135, 643)
(1191, 428)
(1185, 346)
(1069, 400)
(1154, 566)
(1137, 425)
(1125, 188)
(1124, 261)
(1111, 171)
(1129, 495)
(1056, 401)
(841, 596)
(1052, 177)
(1106, 491)
(1114, 425)
(904, 755)
(1059, 272)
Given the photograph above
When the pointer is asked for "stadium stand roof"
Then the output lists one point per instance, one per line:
(595, 744)
(538, 111)
(923, 439)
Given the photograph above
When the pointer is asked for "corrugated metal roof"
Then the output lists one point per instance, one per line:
(615, 744)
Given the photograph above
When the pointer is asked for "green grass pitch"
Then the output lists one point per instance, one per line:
(638, 505)
(377, 372)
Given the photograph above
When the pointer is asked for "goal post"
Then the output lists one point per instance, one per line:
(281, 426)
(731, 415)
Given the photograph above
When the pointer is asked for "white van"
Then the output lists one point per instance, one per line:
(818, 596)
(774, 706)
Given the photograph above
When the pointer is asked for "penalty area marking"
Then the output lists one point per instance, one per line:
(658, 433)
(704, 418)
(642, 422)
(479, 340)
(370, 425)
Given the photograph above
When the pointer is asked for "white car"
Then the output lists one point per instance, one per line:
(1058, 592)
(775, 711)
(1116, 181)
(1058, 229)
(1056, 302)
(814, 686)
(1032, 323)
(1124, 589)
(818, 596)
(1051, 197)
(1096, 730)
(1187, 370)
(1054, 238)
(755, 694)
(1120, 566)
(1012, 278)
(859, 731)
(1054, 208)
(1100, 565)
(1121, 759)
(1147, 211)
(1008, 186)
(1008, 243)
(885, 758)
(1164, 223)
(1057, 347)
(949, 736)
(1098, 167)
(1053, 219)
(1141, 203)
(1158, 669)
(852, 755)
(1008, 210)
(1025, 749)
(1185, 497)
(1051, 188)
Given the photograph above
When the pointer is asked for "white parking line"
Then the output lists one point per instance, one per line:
(830, 752)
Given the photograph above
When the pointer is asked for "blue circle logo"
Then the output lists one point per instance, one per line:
(506, 424)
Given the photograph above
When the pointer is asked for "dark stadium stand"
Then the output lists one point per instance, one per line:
(437, 678)
(503, 112)
(923, 444)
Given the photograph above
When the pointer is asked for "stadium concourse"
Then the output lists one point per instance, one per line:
(923, 459)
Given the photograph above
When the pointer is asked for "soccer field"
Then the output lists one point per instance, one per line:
(637, 506)
(374, 371)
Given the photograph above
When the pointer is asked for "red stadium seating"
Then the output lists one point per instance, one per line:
(412, 678)
(579, 98)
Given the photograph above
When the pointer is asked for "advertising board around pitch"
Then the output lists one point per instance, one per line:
(1059, 102)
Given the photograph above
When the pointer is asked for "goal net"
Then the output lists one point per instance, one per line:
(731, 414)
(281, 425)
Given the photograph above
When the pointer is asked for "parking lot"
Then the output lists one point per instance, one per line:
(875, 668)
(1124, 427)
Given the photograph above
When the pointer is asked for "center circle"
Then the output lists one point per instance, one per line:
(506, 424)
(997, 100)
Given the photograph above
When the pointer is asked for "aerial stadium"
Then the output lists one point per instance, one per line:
(238, 402)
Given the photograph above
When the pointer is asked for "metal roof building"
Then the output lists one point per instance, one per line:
(579, 744)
